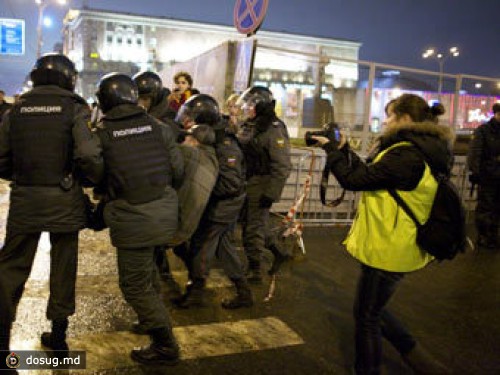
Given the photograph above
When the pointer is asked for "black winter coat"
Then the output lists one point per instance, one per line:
(164, 113)
(484, 152)
(402, 167)
(50, 208)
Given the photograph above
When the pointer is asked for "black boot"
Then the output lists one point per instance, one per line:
(243, 296)
(56, 340)
(163, 349)
(194, 296)
(279, 259)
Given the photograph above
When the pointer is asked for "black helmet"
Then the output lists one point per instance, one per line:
(54, 69)
(259, 97)
(115, 89)
(149, 84)
(200, 108)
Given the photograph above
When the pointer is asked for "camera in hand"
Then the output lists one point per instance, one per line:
(330, 130)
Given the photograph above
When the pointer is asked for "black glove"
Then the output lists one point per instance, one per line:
(474, 178)
(265, 201)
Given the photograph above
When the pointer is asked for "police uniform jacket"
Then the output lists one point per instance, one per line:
(44, 140)
(383, 236)
(143, 164)
(162, 112)
(484, 152)
(266, 146)
(228, 194)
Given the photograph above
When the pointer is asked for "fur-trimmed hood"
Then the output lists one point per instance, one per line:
(434, 141)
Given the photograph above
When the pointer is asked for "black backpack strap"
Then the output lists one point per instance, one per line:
(404, 206)
(323, 187)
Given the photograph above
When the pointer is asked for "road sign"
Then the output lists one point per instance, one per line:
(11, 36)
(249, 15)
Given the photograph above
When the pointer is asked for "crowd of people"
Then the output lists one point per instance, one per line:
(171, 171)
(168, 170)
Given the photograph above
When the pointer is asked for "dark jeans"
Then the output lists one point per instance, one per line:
(375, 288)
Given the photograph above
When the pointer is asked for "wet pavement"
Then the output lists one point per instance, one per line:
(453, 309)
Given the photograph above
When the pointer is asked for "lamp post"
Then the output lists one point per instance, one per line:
(42, 4)
(441, 58)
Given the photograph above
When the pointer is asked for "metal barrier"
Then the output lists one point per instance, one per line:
(311, 161)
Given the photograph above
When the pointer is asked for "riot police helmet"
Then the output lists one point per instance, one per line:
(150, 85)
(54, 69)
(200, 109)
(258, 97)
(115, 89)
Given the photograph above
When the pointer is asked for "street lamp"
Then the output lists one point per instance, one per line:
(432, 53)
(42, 4)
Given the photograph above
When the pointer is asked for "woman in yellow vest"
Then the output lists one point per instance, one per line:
(383, 237)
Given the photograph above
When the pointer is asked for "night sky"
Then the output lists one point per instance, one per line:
(391, 31)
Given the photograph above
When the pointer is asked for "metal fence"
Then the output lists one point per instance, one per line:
(311, 161)
(357, 103)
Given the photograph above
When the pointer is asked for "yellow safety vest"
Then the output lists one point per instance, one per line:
(383, 236)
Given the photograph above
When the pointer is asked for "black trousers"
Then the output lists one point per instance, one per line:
(375, 288)
(138, 280)
(488, 210)
(214, 239)
(16, 261)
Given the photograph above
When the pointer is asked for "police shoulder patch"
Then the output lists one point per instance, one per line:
(231, 161)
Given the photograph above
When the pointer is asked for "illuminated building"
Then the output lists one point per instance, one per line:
(100, 42)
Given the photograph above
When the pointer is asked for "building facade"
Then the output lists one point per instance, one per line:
(100, 42)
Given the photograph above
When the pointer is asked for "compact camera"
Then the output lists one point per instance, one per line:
(330, 130)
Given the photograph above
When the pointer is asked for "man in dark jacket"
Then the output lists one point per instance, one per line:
(484, 164)
(44, 140)
(266, 146)
(214, 233)
(153, 97)
(4, 106)
(143, 164)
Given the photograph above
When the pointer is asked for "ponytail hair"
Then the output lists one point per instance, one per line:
(417, 108)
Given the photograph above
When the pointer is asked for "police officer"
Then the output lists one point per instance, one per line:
(44, 142)
(153, 97)
(143, 164)
(214, 233)
(266, 146)
(484, 164)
